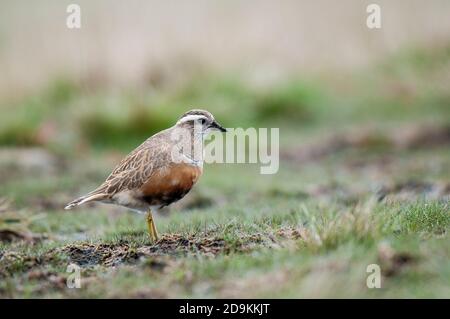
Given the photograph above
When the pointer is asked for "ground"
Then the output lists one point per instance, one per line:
(364, 179)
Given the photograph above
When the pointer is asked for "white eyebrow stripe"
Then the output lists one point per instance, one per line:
(191, 118)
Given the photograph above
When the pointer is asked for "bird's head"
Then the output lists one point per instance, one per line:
(201, 119)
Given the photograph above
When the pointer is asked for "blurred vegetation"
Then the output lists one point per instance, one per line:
(412, 84)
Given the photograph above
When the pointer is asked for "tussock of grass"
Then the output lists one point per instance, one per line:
(424, 218)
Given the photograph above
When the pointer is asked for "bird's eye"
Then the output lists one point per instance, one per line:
(203, 121)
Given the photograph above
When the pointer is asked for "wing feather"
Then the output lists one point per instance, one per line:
(132, 172)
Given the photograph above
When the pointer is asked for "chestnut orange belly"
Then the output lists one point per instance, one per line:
(170, 184)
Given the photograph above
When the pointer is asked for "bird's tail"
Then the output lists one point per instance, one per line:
(84, 199)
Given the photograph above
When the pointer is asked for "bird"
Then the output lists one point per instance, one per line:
(159, 172)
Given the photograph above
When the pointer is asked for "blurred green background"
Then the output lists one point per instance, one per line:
(364, 118)
(133, 68)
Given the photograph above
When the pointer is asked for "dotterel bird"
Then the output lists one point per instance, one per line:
(160, 171)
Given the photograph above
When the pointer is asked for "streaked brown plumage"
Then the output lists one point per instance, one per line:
(149, 177)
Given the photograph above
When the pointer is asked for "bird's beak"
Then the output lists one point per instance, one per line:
(217, 126)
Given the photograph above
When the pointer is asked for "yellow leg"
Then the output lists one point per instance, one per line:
(151, 226)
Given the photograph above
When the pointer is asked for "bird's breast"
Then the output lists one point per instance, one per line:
(170, 184)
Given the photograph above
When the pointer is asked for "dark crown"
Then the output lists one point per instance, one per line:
(198, 112)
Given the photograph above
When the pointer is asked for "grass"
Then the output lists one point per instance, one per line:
(305, 245)
(361, 182)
